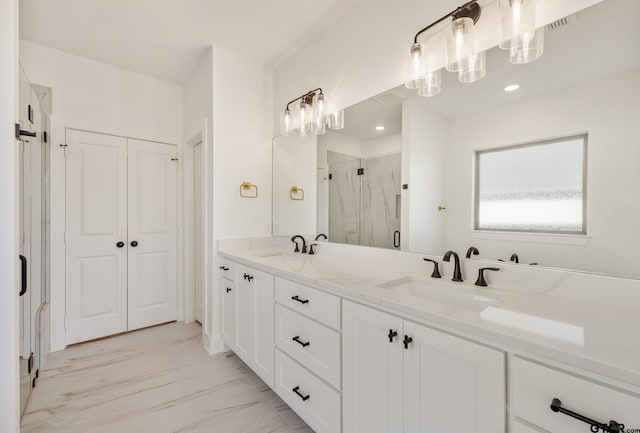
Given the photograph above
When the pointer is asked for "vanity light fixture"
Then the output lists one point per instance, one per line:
(306, 115)
(518, 34)
(512, 87)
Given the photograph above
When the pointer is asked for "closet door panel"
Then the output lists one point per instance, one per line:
(152, 236)
(96, 220)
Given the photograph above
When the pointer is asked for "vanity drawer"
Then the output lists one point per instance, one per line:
(226, 269)
(318, 305)
(522, 427)
(535, 386)
(313, 345)
(315, 401)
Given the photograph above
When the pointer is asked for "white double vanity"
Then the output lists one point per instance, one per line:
(359, 340)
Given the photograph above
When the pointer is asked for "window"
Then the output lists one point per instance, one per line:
(537, 187)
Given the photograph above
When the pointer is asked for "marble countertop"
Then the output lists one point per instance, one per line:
(603, 339)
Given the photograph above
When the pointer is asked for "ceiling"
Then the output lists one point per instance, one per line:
(604, 40)
(168, 38)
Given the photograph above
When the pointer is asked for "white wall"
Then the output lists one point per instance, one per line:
(197, 121)
(296, 164)
(97, 97)
(382, 146)
(423, 147)
(242, 134)
(362, 54)
(608, 110)
(9, 375)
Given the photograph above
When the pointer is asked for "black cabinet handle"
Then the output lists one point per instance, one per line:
(392, 335)
(407, 340)
(396, 239)
(297, 299)
(300, 342)
(228, 289)
(303, 397)
(23, 275)
(120, 244)
(134, 244)
(612, 427)
(30, 364)
(249, 278)
(224, 268)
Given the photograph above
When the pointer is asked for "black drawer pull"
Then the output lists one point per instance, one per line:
(407, 340)
(297, 299)
(23, 275)
(392, 335)
(612, 427)
(228, 289)
(224, 268)
(303, 397)
(300, 342)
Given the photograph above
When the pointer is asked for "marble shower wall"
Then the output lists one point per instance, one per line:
(380, 216)
(364, 210)
(344, 198)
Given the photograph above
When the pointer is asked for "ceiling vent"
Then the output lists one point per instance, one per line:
(563, 22)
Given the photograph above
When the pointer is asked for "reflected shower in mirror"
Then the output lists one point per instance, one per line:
(477, 151)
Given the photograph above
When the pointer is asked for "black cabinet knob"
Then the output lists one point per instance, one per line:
(392, 335)
(120, 244)
(407, 340)
(134, 244)
(228, 289)
(224, 268)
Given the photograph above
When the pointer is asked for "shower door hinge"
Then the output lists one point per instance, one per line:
(360, 171)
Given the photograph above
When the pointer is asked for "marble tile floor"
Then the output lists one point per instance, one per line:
(157, 380)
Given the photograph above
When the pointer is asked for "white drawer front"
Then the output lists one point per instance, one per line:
(318, 305)
(321, 409)
(311, 344)
(522, 427)
(226, 269)
(535, 386)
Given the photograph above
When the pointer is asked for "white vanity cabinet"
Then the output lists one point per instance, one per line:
(227, 288)
(402, 377)
(254, 320)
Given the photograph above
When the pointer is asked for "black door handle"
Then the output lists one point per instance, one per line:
(407, 340)
(120, 244)
(396, 239)
(228, 289)
(300, 342)
(303, 397)
(23, 275)
(391, 335)
(134, 244)
(297, 299)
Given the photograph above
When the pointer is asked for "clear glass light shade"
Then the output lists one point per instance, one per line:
(286, 122)
(473, 68)
(335, 120)
(319, 108)
(527, 48)
(416, 66)
(432, 84)
(304, 120)
(517, 21)
(460, 42)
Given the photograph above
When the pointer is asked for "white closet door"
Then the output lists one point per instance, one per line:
(96, 209)
(152, 237)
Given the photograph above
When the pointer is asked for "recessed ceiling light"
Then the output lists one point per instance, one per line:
(380, 128)
(512, 88)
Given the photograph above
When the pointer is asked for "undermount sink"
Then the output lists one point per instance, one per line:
(443, 292)
(279, 256)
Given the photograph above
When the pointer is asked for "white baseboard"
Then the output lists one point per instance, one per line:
(212, 344)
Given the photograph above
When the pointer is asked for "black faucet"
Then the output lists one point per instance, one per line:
(457, 274)
(322, 235)
(472, 250)
(304, 244)
(514, 258)
(481, 281)
(436, 271)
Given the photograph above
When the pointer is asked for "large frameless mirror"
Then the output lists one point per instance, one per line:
(558, 136)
